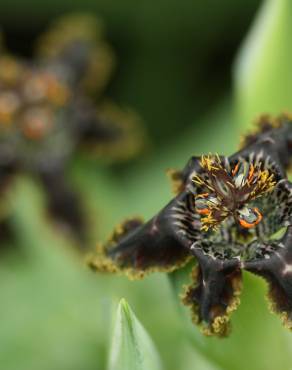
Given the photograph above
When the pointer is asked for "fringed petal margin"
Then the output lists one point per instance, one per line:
(181, 179)
(213, 294)
(76, 41)
(276, 131)
(136, 248)
(176, 180)
(277, 271)
(109, 131)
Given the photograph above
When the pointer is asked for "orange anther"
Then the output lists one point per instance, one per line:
(251, 172)
(204, 211)
(203, 195)
(248, 225)
(235, 169)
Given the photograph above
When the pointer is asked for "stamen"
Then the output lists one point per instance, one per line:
(249, 217)
(204, 203)
(242, 174)
(230, 190)
(251, 172)
(235, 169)
(211, 162)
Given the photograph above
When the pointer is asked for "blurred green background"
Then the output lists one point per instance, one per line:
(175, 68)
(174, 58)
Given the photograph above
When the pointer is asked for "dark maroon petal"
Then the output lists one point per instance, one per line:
(274, 136)
(7, 235)
(181, 179)
(276, 269)
(264, 151)
(64, 205)
(144, 246)
(214, 293)
(75, 49)
(8, 169)
(106, 131)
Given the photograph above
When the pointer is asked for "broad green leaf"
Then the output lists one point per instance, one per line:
(263, 77)
(132, 348)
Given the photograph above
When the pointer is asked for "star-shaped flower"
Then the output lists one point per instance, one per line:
(229, 214)
(52, 106)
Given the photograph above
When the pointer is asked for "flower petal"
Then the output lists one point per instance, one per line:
(273, 133)
(107, 132)
(214, 293)
(137, 247)
(182, 179)
(264, 151)
(74, 44)
(276, 269)
(64, 205)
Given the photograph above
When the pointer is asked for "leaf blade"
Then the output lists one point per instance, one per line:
(132, 348)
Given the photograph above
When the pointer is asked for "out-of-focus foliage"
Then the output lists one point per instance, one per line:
(48, 296)
(263, 79)
(131, 348)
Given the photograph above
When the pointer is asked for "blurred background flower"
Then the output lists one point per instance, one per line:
(174, 67)
(48, 112)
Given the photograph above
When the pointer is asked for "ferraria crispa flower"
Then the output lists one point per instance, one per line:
(229, 214)
(48, 112)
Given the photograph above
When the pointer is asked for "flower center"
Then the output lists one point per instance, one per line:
(227, 190)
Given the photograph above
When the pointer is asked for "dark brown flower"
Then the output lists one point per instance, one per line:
(229, 213)
(47, 113)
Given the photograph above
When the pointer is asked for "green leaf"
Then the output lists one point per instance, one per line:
(263, 78)
(132, 348)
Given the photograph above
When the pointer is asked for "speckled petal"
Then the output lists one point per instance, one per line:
(138, 247)
(276, 269)
(214, 293)
(274, 132)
